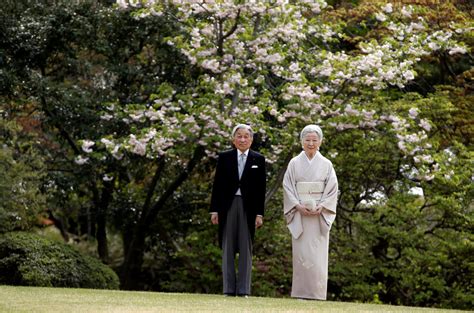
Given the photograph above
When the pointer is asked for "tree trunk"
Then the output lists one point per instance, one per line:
(132, 263)
(133, 260)
(101, 204)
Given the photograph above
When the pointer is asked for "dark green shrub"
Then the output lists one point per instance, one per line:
(31, 260)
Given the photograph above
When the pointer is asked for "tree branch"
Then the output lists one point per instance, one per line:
(154, 182)
(222, 36)
(151, 214)
(62, 132)
(278, 181)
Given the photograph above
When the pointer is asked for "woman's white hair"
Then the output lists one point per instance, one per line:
(311, 129)
(244, 126)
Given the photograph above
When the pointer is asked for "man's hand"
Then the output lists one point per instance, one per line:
(258, 221)
(214, 218)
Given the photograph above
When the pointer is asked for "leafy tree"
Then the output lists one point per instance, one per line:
(66, 60)
(22, 168)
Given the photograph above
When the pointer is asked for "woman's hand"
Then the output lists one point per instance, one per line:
(317, 210)
(307, 211)
(303, 209)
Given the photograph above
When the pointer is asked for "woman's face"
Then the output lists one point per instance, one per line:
(311, 143)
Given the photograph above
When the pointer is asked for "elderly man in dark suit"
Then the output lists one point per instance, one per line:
(237, 204)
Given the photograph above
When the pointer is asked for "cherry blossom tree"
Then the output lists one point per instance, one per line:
(277, 66)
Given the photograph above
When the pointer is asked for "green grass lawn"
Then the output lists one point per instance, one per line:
(35, 299)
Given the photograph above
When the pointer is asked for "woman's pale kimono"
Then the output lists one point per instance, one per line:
(310, 234)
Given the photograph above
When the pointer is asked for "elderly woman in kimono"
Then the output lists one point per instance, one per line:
(310, 197)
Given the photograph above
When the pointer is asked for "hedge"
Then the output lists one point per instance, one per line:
(30, 260)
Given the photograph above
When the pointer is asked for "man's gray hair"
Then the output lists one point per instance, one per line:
(244, 126)
(311, 129)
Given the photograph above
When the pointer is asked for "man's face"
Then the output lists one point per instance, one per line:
(242, 139)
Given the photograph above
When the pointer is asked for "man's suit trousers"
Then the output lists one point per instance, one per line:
(236, 240)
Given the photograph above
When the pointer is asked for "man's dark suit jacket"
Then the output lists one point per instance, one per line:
(252, 187)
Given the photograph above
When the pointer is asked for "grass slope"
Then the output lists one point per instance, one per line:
(35, 299)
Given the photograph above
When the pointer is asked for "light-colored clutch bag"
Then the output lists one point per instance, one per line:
(310, 193)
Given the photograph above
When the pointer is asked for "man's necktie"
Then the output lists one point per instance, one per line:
(241, 164)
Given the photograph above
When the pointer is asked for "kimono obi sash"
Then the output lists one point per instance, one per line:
(310, 193)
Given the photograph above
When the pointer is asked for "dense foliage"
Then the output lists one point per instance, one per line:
(22, 168)
(133, 101)
(30, 260)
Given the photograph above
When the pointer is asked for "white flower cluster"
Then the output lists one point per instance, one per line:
(87, 146)
(416, 146)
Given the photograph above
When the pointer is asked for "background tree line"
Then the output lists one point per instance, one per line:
(111, 118)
